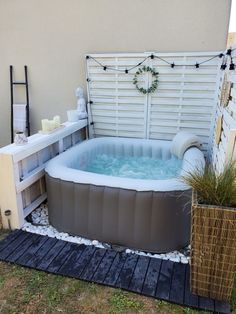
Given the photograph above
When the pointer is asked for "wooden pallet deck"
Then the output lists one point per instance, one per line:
(160, 279)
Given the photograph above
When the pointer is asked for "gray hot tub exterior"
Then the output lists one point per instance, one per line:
(144, 220)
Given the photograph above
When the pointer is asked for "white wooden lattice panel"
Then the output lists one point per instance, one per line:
(185, 98)
(226, 150)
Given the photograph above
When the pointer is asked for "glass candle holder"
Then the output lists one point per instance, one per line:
(20, 138)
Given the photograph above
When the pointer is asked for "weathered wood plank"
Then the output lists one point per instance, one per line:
(178, 283)
(164, 281)
(36, 259)
(127, 271)
(137, 280)
(13, 257)
(62, 256)
(115, 269)
(14, 243)
(70, 265)
(104, 266)
(206, 304)
(82, 261)
(91, 267)
(150, 282)
(222, 307)
(189, 298)
(9, 238)
(30, 253)
(51, 254)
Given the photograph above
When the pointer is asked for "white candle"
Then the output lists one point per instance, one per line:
(51, 125)
(57, 121)
(72, 115)
(45, 125)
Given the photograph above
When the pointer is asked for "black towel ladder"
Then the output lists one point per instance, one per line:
(24, 83)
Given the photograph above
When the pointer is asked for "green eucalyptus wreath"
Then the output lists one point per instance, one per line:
(153, 87)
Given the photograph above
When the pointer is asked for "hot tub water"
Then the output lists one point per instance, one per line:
(134, 167)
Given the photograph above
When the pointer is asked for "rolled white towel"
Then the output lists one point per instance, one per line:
(19, 114)
(183, 141)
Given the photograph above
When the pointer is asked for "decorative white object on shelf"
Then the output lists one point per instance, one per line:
(20, 138)
(57, 121)
(49, 126)
(81, 103)
(44, 123)
(72, 115)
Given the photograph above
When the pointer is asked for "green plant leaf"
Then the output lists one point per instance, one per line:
(214, 188)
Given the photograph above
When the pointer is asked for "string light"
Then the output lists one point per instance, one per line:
(232, 65)
(172, 65)
(229, 52)
(223, 66)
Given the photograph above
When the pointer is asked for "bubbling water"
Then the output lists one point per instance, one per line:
(134, 167)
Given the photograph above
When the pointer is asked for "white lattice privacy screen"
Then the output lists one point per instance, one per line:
(226, 149)
(184, 100)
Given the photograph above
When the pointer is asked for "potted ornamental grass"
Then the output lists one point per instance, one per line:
(213, 231)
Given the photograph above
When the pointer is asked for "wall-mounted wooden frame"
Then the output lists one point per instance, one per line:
(226, 90)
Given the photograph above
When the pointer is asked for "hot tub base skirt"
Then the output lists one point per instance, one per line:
(149, 221)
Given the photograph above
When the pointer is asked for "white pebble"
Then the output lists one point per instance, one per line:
(41, 226)
(184, 260)
(175, 259)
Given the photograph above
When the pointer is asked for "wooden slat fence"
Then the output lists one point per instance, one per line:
(185, 98)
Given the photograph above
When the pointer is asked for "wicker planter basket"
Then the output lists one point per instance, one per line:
(213, 250)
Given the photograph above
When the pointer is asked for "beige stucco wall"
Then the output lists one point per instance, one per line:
(231, 39)
(52, 36)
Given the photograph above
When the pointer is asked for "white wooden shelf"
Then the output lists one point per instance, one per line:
(22, 182)
(39, 141)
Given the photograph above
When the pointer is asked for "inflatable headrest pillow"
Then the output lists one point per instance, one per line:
(182, 142)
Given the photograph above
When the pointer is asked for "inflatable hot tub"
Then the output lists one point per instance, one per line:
(148, 215)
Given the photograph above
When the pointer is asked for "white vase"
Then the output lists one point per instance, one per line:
(20, 138)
